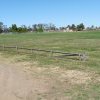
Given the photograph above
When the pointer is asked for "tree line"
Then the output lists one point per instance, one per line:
(24, 28)
(74, 27)
(43, 27)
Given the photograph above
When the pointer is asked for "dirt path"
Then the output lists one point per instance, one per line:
(17, 82)
(14, 85)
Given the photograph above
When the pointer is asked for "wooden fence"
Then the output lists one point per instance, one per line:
(81, 56)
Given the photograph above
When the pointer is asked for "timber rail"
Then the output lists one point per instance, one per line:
(82, 56)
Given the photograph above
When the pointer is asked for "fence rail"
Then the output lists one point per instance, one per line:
(81, 56)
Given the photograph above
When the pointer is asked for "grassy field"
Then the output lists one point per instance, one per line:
(75, 42)
(80, 42)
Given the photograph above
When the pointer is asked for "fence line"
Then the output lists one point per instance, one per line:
(81, 55)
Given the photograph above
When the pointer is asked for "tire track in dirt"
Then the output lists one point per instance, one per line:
(17, 85)
(21, 81)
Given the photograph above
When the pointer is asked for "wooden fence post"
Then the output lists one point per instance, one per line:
(16, 48)
(51, 53)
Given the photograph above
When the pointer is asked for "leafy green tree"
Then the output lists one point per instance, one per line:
(29, 28)
(73, 27)
(34, 27)
(52, 26)
(80, 27)
(1, 27)
(13, 28)
(22, 29)
(40, 28)
(68, 26)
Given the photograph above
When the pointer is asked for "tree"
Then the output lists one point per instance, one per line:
(68, 26)
(73, 27)
(46, 27)
(92, 27)
(80, 27)
(52, 26)
(5, 29)
(29, 29)
(34, 27)
(22, 29)
(40, 27)
(13, 28)
(1, 27)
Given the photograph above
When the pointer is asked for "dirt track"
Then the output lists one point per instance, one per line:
(14, 84)
(17, 82)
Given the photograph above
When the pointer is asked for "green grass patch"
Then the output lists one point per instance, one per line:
(75, 42)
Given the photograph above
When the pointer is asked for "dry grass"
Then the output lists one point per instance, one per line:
(56, 83)
(59, 79)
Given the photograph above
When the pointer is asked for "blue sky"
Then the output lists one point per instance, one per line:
(59, 12)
